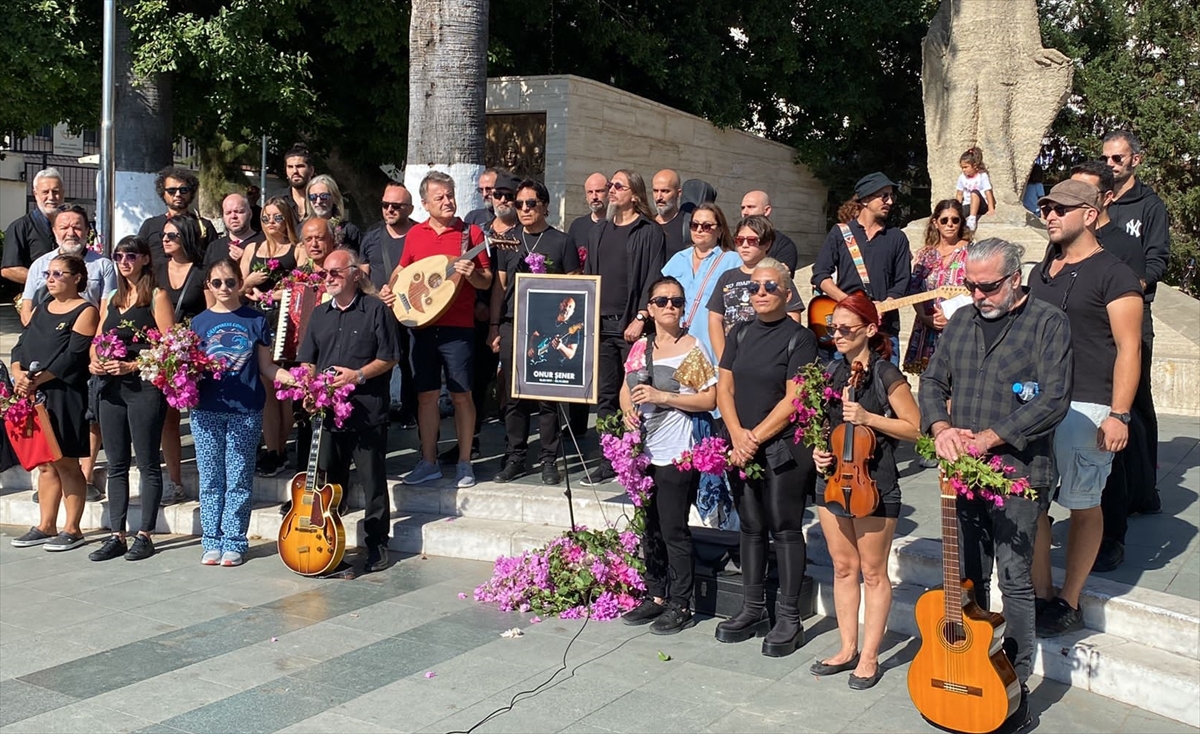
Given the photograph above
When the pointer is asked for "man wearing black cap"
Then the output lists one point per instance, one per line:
(1103, 301)
(867, 255)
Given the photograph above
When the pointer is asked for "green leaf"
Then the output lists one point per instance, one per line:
(663, 656)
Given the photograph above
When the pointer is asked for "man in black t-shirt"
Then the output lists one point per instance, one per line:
(177, 187)
(239, 234)
(30, 236)
(595, 189)
(666, 189)
(784, 250)
(299, 170)
(1103, 301)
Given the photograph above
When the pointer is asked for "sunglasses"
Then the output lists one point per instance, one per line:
(336, 273)
(273, 218)
(617, 186)
(527, 203)
(949, 220)
(486, 191)
(176, 190)
(502, 196)
(702, 226)
(844, 331)
(125, 257)
(987, 288)
(171, 237)
(662, 301)
(54, 275)
(324, 196)
(1119, 158)
(752, 241)
(758, 286)
(1060, 210)
(229, 283)
(397, 205)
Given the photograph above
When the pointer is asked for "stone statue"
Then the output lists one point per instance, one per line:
(988, 82)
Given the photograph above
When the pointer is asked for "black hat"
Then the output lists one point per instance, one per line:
(507, 183)
(871, 183)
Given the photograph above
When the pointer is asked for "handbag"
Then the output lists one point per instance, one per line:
(34, 442)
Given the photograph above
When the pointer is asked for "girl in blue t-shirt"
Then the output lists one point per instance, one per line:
(227, 422)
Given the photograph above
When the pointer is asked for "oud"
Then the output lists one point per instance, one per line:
(426, 288)
(312, 539)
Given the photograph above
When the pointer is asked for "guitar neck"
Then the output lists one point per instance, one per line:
(943, 292)
(474, 251)
(951, 570)
(314, 451)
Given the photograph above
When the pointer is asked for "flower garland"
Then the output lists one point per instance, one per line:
(813, 394)
(626, 451)
(713, 455)
(975, 473)
(175, 362)
(582, 573)
(318, 391)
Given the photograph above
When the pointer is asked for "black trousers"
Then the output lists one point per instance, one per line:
(518, 413)
(367, 448)
(613, 350)
(667, 540)
(408, 389)
(484, 372)
(132, 413)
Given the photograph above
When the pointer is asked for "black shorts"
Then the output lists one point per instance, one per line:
(443, 349)
(889, 501)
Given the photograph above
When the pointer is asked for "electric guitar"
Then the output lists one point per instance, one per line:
(427, 287)
(960, 679)
(820, 309)
(540, 353)
(312, 539)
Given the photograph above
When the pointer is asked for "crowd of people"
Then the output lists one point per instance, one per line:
(700, 334)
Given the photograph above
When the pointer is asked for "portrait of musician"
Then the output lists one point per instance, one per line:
(884, 405)
(355, 335)
(967, 401)
(561, 344)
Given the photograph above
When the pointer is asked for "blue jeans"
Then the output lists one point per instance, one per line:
(225, 454)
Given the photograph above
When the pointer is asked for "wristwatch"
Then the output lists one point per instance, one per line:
(640, 316)
(1123, 417)
(362, 377)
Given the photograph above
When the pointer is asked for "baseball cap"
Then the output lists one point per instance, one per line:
(1072, 192)
(871, 183)
(507, 183)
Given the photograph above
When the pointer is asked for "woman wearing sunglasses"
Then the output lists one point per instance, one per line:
(132, 411)
(181, 276)
(885, 404)
(57, 339)
(755, 398)
(668, 376)
(699, 267)
(262, 268)
(940, 262)
(729, 303)
(227, 420)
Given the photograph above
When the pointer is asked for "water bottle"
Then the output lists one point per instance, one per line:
(1025, 391)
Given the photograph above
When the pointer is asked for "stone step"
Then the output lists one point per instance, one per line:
(1106, 664)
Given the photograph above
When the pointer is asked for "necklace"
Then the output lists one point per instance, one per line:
(525, 242)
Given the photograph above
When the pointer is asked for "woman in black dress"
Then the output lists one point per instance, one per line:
(754, 394)
(181, 275)
(57, 341)
(132, 410)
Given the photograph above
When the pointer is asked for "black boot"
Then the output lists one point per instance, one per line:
(788, 633)
(752, 621)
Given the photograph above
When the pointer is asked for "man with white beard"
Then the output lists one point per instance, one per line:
(666, 190)
(70, 227)
(29, 237)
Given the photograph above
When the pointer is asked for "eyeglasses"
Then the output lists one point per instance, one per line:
(758, 286)
(229, 283)
(527, 203)
(397, 205)
(177, 190)
(502, 195)
(702, 226)
(987, 288)
(54, 275)
(171, 237)
(273, 218)
(336, 273)
(125, 257)
(662, 301)
(486, 191)
(844, 331)
(323, 196)
(752, 241)
(617, 186)
(949, 220)
(1119, 158)
(1060, 210)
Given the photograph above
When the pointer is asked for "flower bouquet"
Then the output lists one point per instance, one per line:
(813, 394)
(975, 473)
(109, 346)
(712, 455)
(318, 391)
(13, 408)
(537, 262)
(582, 573)
(175, 362)
(626, 451)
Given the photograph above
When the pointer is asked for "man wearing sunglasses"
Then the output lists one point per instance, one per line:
(29, 237)
(178, 188)
(239, 234)
(487, 185)
(1135, 207)
(1103, 301)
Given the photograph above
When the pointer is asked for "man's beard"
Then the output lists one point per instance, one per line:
(506, 214)
(613, 208)
(666, 211)
(324, 211)
(597, 207)
(47, 209)
(1000, 310)
(71, 248)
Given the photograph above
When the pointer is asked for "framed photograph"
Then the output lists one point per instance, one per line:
(557, 320)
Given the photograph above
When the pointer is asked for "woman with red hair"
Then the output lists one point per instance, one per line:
(884, 403)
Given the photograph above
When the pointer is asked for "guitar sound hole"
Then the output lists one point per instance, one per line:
(955, 635)
(435, 281)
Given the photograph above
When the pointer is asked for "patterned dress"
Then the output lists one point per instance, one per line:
(930, 273)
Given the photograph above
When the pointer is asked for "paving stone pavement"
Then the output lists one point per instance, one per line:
(168, 645)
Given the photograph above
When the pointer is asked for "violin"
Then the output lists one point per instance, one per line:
(851, 486)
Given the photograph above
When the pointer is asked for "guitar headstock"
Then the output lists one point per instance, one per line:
(506, 241)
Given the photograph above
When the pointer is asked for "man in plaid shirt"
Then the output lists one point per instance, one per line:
(969, 398)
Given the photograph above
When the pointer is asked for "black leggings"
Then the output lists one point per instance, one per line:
(667, 541)
(132, 413)
(775, 504)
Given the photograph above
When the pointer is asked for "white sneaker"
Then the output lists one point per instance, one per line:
(971, 223)
(464, 476)
(211, 558)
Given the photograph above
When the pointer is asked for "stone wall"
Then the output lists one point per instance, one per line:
(594, 127)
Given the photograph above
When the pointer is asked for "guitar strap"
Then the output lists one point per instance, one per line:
(856, 255)
(691, 314)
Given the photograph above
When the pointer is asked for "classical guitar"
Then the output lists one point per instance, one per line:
(820, 309)
(961, 678)
(426, 288)
(312, 539)
(851, 486)
(540, 352)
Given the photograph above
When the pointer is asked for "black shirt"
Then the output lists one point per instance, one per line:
(1127, 247)
(886, 256)
(152, 231)
(27, 239)
(731, 298)
(551, 243)
(784, 250)
(873, 396)
(219, 249)
(347, 235)
(354, 338)
(381, 251)
(762, 369)
(673, 231)
(1084, 290)
(993, 328)
(191, 290)
(614, 269)
(581, 227)
(479, 217)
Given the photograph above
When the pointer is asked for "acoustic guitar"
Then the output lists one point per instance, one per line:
(851, 486)
(312, 539)
(820, 309)
(960, 679)
(427, 287)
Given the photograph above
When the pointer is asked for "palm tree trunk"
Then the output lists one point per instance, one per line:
(447, 95)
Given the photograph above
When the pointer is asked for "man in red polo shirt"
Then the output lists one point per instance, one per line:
(447, 345)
